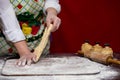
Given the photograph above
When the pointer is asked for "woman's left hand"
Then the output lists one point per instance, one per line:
(52, 18)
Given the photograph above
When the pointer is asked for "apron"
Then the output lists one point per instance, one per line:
(32, 23)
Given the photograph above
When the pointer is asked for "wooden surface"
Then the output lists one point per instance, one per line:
(1, 64)
(53, 66)
(107, 72)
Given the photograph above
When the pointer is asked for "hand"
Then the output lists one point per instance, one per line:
(26, 59)
(53, 19)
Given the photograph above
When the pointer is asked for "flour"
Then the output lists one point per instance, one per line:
(1, 64)
(64, 67)
(53, 66)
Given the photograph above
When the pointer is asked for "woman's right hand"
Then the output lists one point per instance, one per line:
(26, 59)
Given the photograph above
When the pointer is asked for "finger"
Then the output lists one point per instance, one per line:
(56, 24)
(48, 22)
(19, 62)
(23, 62)
(55, 27)
(34, 58)
(29, 61)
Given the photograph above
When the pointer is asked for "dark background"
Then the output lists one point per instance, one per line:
(95, 20)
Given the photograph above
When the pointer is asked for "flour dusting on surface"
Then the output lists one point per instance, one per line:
(65, 66)
(53, 66)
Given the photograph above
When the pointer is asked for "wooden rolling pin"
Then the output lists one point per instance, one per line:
(39, 49)
(104, 56)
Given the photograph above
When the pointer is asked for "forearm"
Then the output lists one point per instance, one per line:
(21, 47)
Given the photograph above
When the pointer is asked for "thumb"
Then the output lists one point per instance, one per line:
(48, 22)
(34, 58)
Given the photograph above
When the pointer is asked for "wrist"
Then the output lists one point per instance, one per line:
(51, 11)
(22, 53)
